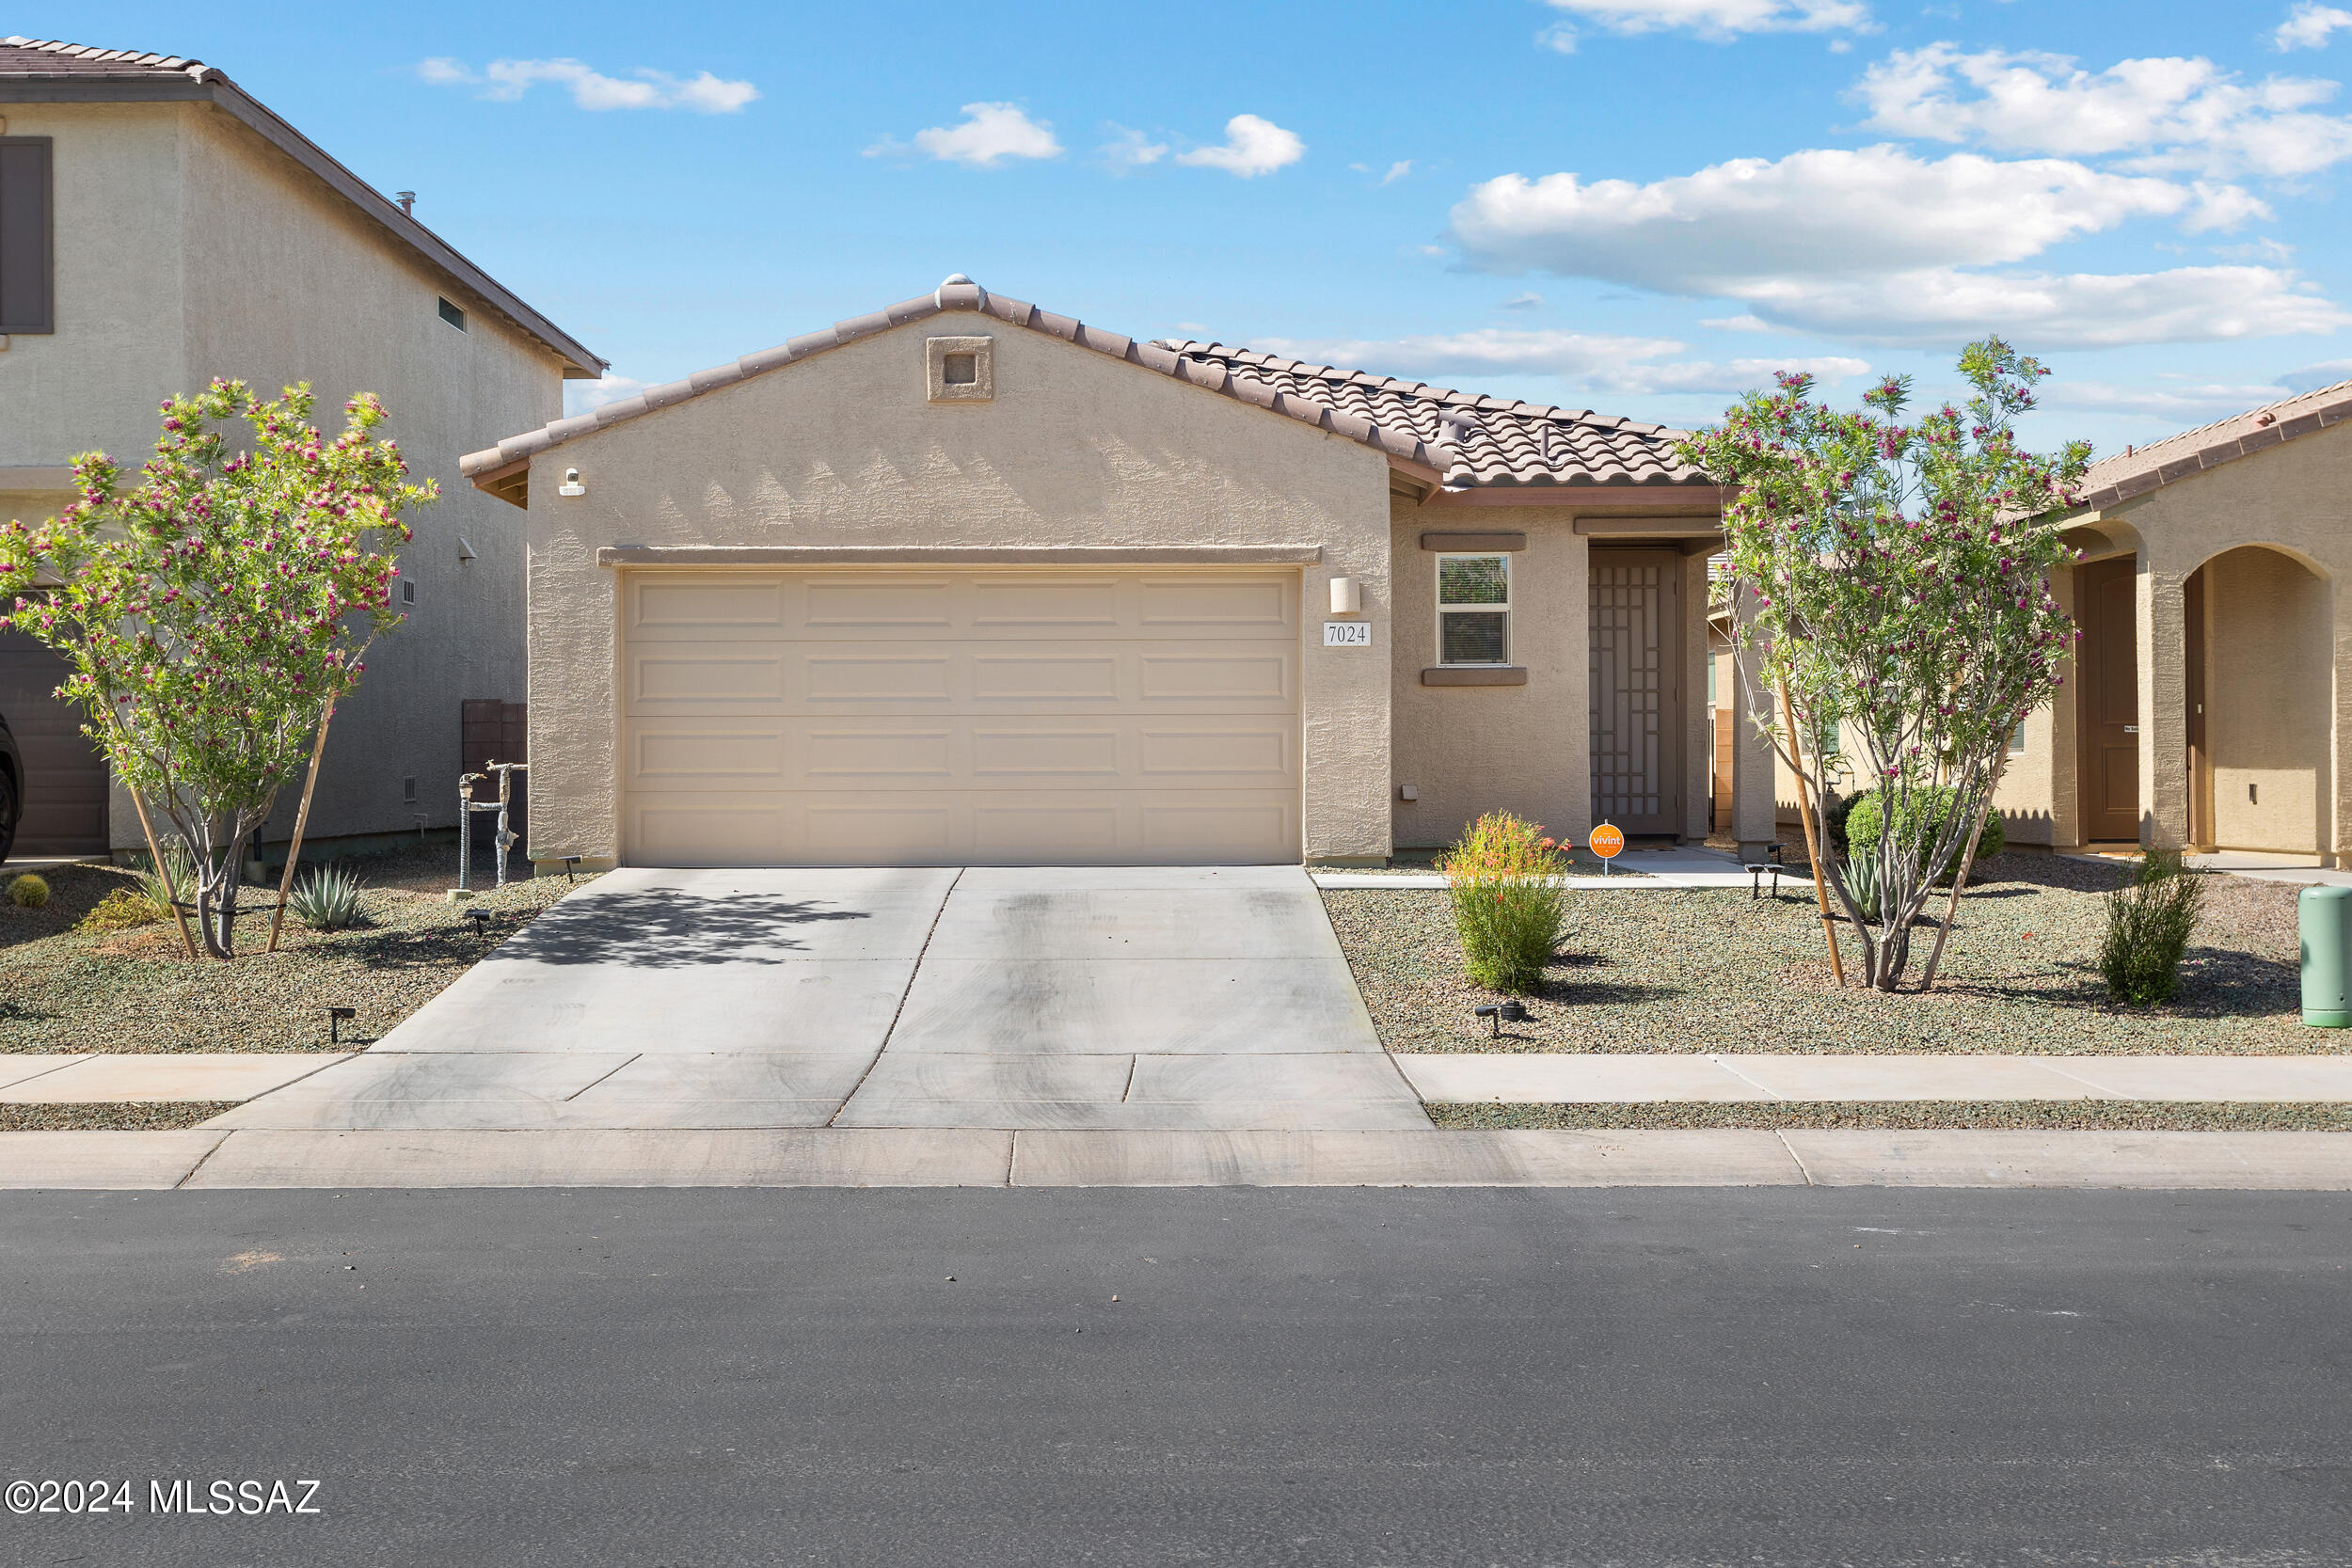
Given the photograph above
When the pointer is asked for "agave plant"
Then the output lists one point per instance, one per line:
(174, 881)
(327, 899)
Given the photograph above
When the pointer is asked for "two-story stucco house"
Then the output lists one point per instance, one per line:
(159, 228)
(964, 581)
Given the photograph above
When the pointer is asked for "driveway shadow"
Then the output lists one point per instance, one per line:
(657, 929)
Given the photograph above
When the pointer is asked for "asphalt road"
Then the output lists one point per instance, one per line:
(1492, 1379)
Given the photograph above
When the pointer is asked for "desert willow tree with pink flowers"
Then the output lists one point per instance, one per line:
(1894, 579)
(212, 608)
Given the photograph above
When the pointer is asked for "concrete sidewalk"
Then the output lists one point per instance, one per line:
(1559, 1078)
(830, 1157)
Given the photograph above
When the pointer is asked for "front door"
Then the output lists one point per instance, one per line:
(1636, 691)
(2108, 711)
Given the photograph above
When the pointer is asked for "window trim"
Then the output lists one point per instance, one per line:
(1510, 593)
(451, 312)
(48, 323)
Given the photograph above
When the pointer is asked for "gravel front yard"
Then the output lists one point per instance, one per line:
(1712, 970)
(2038, 1115)
(120, 1115)
(62, 989)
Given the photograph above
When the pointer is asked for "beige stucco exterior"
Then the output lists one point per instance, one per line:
(2272, 533)
(188, 247)
(848, 449)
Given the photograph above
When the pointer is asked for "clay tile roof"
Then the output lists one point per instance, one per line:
(1486, 442)
(1468, 441)
(2192, 451)
(50, 71)
(23, 56)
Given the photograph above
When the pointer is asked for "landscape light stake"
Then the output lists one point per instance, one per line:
(302, 817)
(1812, 840)
(335, 1017)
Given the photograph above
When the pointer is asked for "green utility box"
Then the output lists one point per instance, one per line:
(2325, 917)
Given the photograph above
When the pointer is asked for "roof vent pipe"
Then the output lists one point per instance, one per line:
(408, 200)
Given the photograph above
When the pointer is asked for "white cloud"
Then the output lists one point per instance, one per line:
(1559, 37)
(1252, 147)
(988, 135)
(507, 80)
(1397, 170)
(1736, 324)
(2309, 25)
(2190, 403)
(2310, 378)
(1938, 307)
(1877, 244)
(1522, 302)
(1621, 366)
(1130, 150)
(2170, 114)
(1716, 19)
(586, 396)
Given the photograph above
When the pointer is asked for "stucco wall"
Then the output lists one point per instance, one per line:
(286, 282)
(188, 247)
(2267, 636)
(843, 449)
(1469, 750)
(117, 350)
(2288, 697)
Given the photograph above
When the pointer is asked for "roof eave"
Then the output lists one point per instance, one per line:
(208, 85)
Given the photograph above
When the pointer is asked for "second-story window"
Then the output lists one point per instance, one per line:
(27, 270)
(453, 315)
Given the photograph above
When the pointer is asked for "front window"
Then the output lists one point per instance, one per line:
(1473, 609)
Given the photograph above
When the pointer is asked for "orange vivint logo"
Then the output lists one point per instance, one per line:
(1608, 841)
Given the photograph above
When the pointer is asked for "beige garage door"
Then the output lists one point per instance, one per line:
(941, 718)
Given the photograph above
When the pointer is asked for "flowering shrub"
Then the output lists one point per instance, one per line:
(1508, 904)
(210, 608)
(1893, 580)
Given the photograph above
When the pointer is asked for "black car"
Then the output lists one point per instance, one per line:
(11, 789)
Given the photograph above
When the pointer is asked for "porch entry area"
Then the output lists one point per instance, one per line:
(1637, 689)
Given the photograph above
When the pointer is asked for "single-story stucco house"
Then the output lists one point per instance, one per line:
(967, 582)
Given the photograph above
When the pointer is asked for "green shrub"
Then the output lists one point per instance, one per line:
(2149, 920)
(119, 910)
(1863, 826)
(157, 890)
(28, 892)
(326, 899)
(1508, 904)
(1862, 880)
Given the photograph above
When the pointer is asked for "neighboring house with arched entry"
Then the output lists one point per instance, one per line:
(2210, 703)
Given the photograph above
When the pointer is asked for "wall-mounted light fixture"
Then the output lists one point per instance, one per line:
(571, 485)
(1347, 596)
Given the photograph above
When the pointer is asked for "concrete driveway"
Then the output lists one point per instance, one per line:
(1105, 998)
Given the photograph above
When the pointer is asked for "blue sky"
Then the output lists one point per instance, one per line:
(1636, 205)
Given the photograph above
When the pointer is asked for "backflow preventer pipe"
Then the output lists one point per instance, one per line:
(467, 805)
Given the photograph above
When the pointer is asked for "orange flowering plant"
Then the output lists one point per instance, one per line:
(1508, 904)
(211, 606)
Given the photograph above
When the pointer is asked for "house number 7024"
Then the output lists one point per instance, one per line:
(1347, 634)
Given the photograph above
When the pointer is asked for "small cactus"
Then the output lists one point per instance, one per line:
(327, 899)
(28, 892)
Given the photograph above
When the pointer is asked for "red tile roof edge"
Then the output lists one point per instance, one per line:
(957, 294)
(2137, 471)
